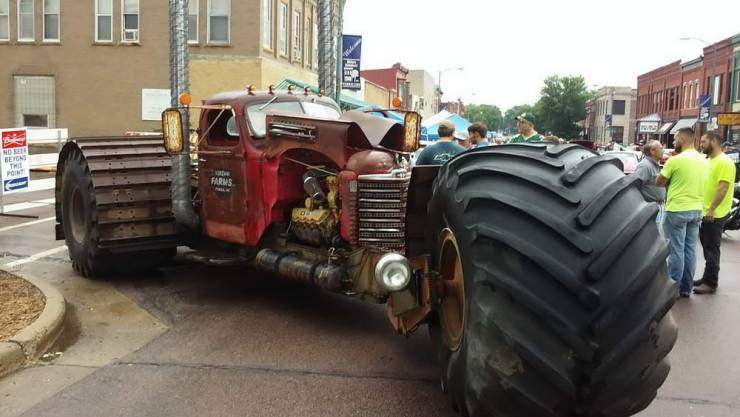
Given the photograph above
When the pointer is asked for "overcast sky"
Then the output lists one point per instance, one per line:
(508, 47)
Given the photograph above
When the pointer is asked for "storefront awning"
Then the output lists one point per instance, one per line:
(683, 123)
(650, 118)
(665, 128)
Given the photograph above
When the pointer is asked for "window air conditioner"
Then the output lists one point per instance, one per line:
(131, 35)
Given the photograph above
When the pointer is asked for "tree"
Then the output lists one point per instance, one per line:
(512, 113)
(484, 113)
(562, 103)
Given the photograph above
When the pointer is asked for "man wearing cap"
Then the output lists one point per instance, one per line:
(525, 126)
(445, 148)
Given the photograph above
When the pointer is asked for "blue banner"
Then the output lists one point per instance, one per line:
(705, 106)
(351, 54)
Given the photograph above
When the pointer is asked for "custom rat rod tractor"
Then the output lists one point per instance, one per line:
(537, 268)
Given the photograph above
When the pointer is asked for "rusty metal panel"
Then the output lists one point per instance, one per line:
(132, 230)
(132, 195)
(125, 152)
(120, 164)
(162, 211)
(122, 179)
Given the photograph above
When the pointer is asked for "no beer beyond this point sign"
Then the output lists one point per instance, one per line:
(14, 162)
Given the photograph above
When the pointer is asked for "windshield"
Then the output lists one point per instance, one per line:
(320, 110)
(257, 112)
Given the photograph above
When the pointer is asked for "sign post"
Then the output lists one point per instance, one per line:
(14, 163)
(351, 53)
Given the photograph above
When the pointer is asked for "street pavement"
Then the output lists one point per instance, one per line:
(191, 340)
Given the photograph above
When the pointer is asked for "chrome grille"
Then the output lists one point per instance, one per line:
(381, 210)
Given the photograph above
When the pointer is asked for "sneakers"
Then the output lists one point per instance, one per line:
(698, 282)
(705, 289)
(685, 295)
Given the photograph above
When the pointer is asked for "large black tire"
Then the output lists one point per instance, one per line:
(82, 232)
(567, 298)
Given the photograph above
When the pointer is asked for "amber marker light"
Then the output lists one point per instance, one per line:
(185, 99)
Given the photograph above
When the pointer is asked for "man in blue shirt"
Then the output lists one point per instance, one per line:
(444, 149)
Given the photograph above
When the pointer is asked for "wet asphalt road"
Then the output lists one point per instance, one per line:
(203, 341)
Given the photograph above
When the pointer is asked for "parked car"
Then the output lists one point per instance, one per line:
(629, 159)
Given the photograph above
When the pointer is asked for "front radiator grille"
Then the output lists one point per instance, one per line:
(381, 211)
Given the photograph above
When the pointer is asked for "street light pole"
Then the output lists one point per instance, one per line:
(714, 71)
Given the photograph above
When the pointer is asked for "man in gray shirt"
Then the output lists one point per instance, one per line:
(648, 170)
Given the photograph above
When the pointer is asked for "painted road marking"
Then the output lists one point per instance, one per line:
(40, 185)
(28, 205)
(31, 223)
(36, 256)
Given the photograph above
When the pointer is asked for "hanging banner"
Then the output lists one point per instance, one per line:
(351, 53)
(705, 106)
(14, 162)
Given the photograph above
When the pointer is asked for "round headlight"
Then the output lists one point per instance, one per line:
(393, 272)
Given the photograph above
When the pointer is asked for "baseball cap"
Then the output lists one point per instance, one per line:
(526, 116)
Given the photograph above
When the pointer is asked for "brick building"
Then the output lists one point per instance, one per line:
(670, 94)
(101, 67)
(394, 78)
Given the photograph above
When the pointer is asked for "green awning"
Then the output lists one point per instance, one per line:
(346, 102)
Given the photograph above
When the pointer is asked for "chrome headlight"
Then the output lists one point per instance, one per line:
(393, 272)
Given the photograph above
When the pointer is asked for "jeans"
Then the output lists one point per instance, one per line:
(710, 235)
(682, 231)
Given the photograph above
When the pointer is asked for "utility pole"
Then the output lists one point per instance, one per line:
(327, 58)
(340, 31)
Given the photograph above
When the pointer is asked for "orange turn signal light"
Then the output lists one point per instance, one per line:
(396, 102)
(185, 99)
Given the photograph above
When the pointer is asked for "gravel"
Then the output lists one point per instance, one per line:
(20, 304)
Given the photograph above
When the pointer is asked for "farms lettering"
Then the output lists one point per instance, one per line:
(221, 182)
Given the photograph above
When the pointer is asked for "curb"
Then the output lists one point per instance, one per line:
(31, 342)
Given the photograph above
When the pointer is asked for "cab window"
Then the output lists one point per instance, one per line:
(223, 128)
(321, 110)
(256, 114)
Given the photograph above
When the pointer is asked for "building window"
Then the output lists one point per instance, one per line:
(219, 25)
(297, 20)
(737, 85)
(308, 37)
(103, 20)
(617, 133)
(130, 21)
(617, 106)
(267, 24)
(25, 20)
(193, 7)
(4, 20)
(716, 90)
(315, 49)
(51, 20)
(34, 101)
(283, 29)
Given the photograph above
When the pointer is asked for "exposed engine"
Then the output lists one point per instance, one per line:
(317, 222)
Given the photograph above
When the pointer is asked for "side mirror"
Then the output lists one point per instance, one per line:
(172, 131)
(411, 131)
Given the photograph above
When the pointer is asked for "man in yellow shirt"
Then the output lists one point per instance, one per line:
(685, 175)
(717, 205)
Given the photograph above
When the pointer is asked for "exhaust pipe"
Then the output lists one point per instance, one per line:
(295, 268)
(182, 205)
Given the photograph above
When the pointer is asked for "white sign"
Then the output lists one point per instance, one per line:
(14, 162)
(649, 127)
(153, 103)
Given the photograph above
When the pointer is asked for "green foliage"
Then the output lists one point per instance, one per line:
(484, 113)
(509, 116)
(562, 103)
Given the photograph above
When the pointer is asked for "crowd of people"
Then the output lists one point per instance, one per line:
(692, 190)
